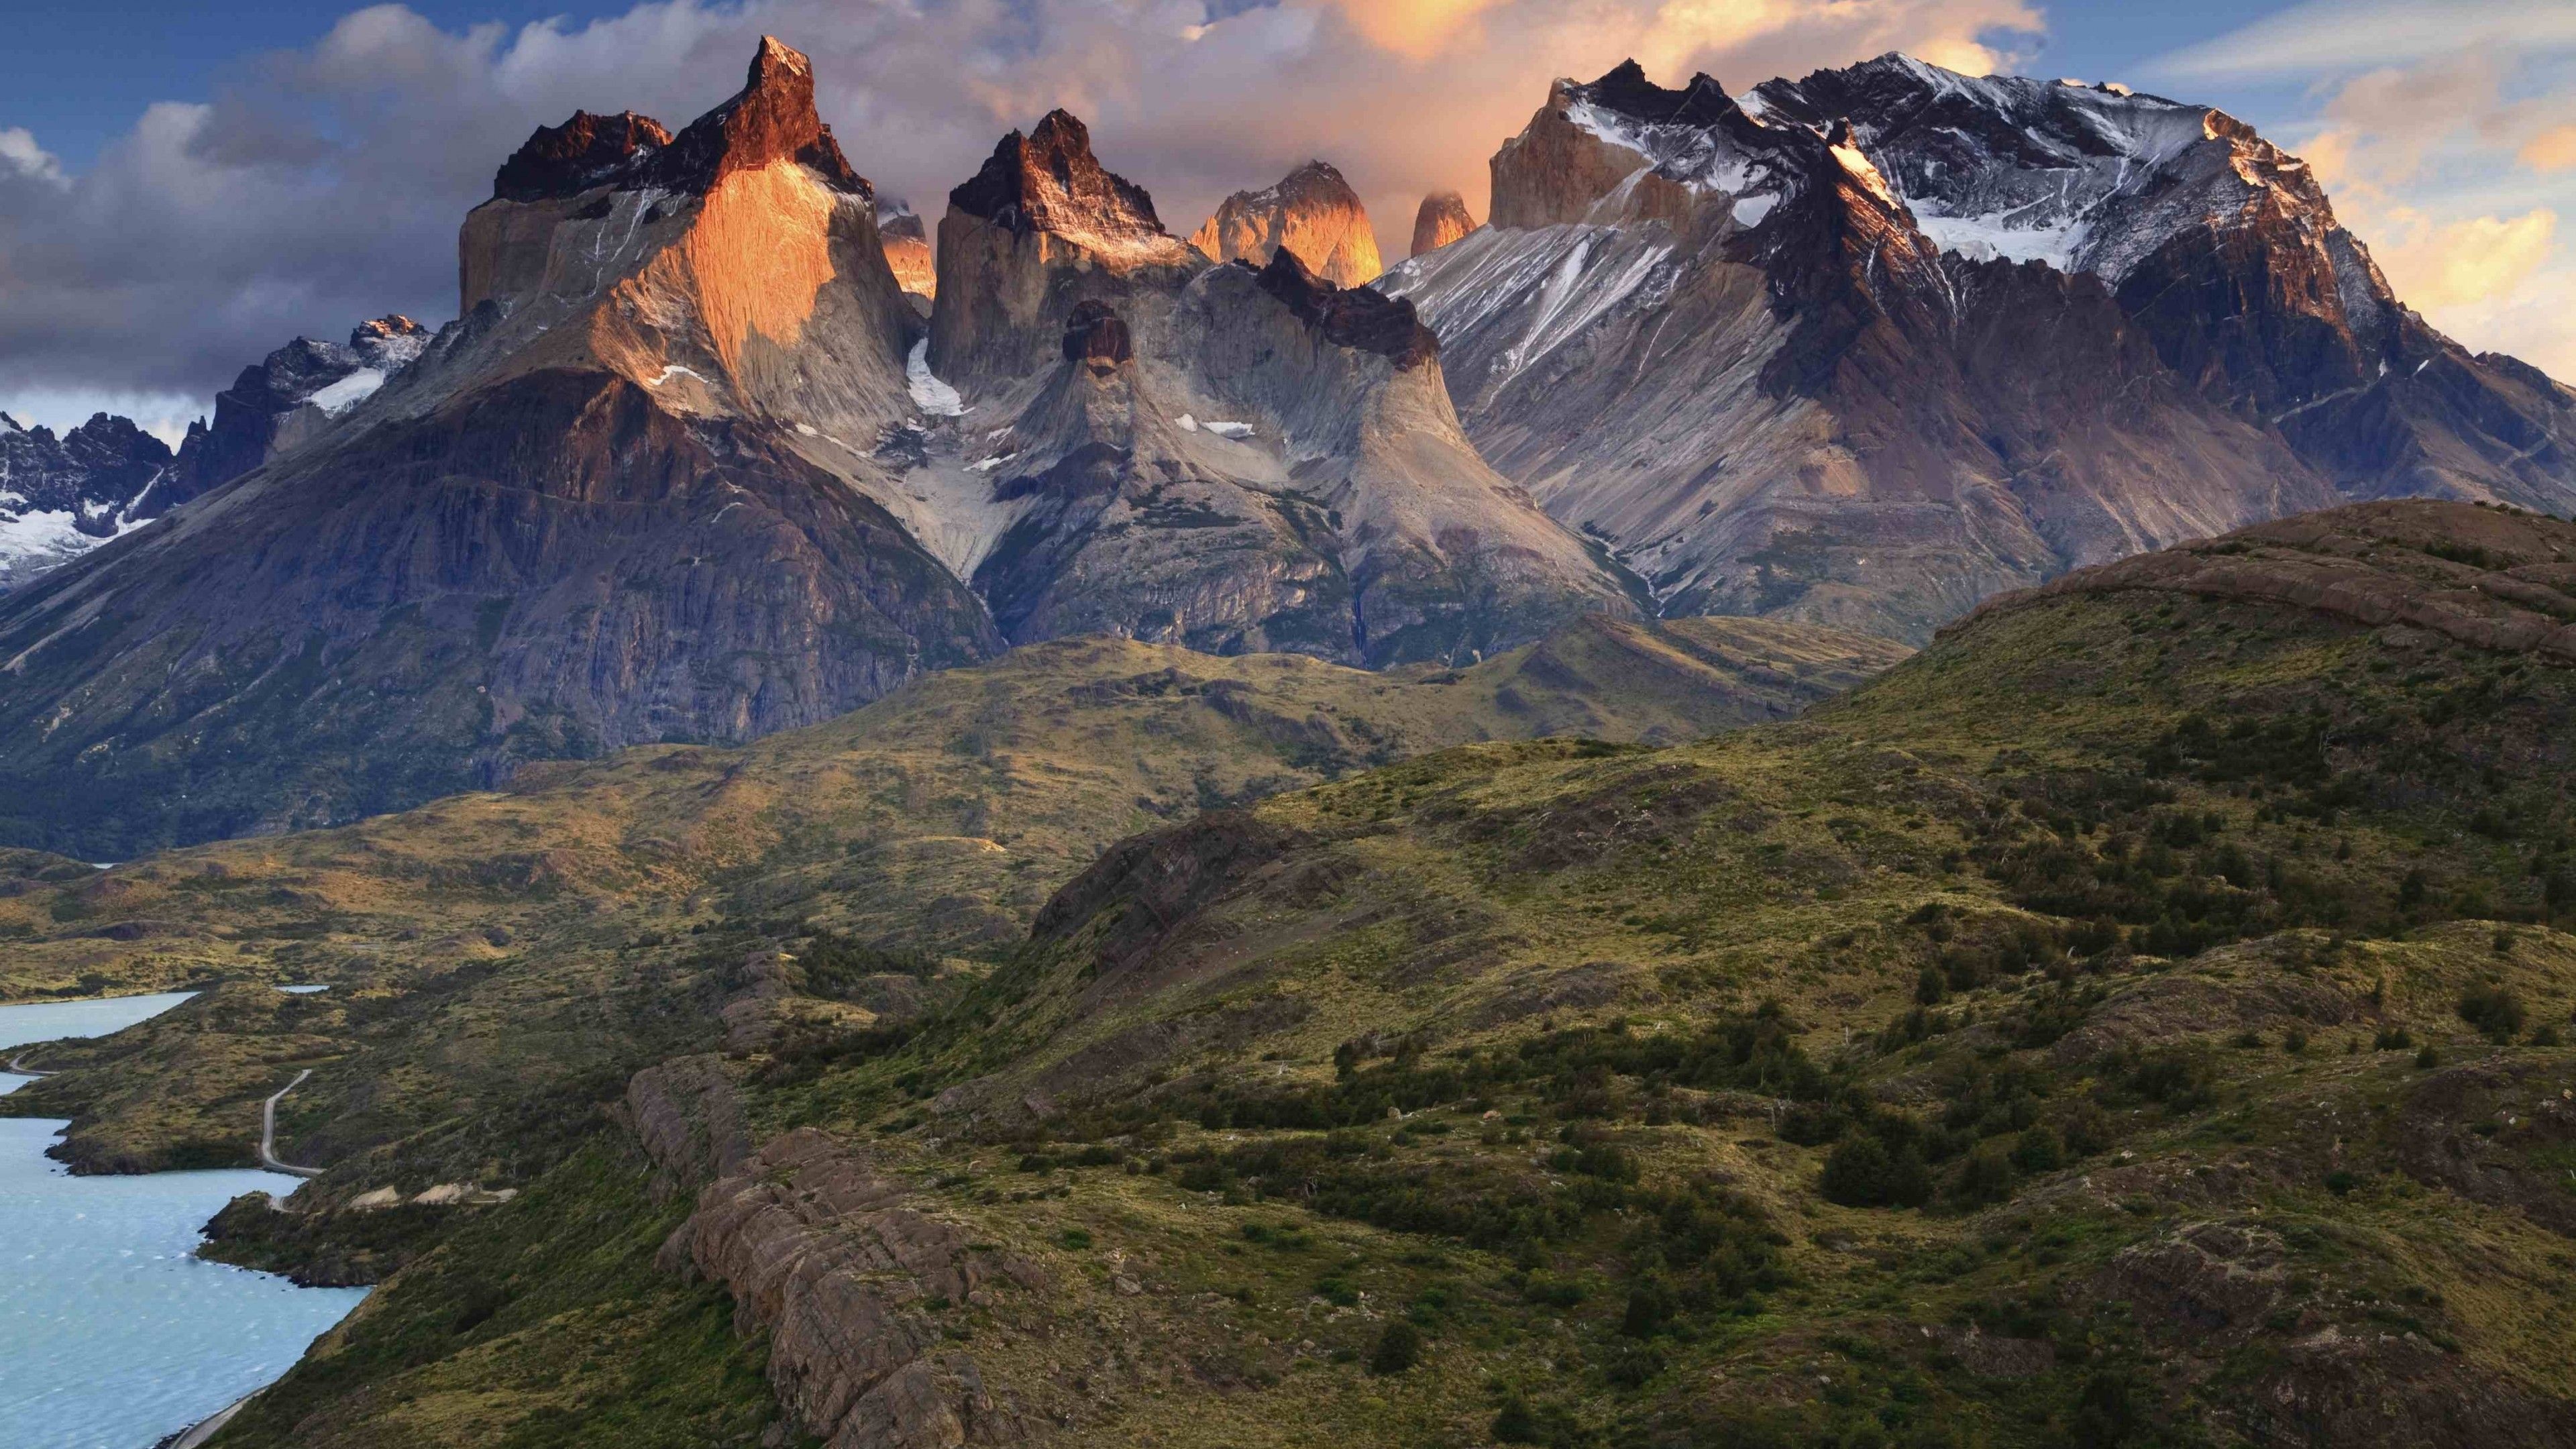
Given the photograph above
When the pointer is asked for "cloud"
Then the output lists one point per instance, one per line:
(2461, 264)
(20, 153)
(2551, 150)
(2326, 36)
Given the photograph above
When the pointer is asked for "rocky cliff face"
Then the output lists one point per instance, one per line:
(1442, 219)
(626, 497)
(1229, 457)
(1868, 347)
(1312, 212)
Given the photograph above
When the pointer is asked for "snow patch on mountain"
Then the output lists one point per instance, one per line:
(932, 396)
(349, 391)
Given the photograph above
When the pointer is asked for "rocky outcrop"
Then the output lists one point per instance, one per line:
(1040, 229)
(585, 152)
(1442, 219)
(689, 1117)
(829, 1265)
(1312, 213)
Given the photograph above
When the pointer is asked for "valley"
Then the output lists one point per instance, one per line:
(1888, 766)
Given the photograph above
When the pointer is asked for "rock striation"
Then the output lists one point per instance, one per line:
(841, 1276)
(1442, 219)
(1312, 212)
(1870, 346)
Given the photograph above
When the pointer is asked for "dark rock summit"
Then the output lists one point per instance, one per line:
(1048, 180)
(771, 119)
(1355, 317)
(583, 152)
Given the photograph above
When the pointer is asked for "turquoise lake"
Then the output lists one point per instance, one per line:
(112, 1333)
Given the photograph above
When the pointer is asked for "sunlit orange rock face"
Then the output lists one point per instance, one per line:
(1443, 219)
(907, 249)
(1312, 212)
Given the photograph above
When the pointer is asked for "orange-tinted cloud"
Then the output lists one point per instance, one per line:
(2464, 263)
(2551, 150)
(1418, 28)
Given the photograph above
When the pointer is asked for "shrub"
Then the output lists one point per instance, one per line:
(1862, 1172)
(1398, 1349)
(1986, 1177)
(2493, 1010)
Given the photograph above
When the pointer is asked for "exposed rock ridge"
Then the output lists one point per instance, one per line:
(772, 119)
(828, 1263)
(584, 152)
(1312, 212)
(2491, 578)
(1357, 317)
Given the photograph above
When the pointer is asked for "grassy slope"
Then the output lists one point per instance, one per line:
(2059, 1041)
(2124, 940)
(493, 957)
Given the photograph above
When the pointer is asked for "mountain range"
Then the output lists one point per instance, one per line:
(722, 443)
(1799, 792)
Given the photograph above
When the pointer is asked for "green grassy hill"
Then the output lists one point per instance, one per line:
(2139, 1019)
(491, 955)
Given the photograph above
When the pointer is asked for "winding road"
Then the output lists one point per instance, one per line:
(18, 1067)
(268, 1132)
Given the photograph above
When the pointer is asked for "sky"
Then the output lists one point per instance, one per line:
(184, 187)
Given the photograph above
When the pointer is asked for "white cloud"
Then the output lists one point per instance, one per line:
(2325, 36)
(20, 153)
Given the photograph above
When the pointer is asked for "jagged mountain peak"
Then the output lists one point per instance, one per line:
(772, 118)
(1311, 211)
(1626, 90)
(1048, 180)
